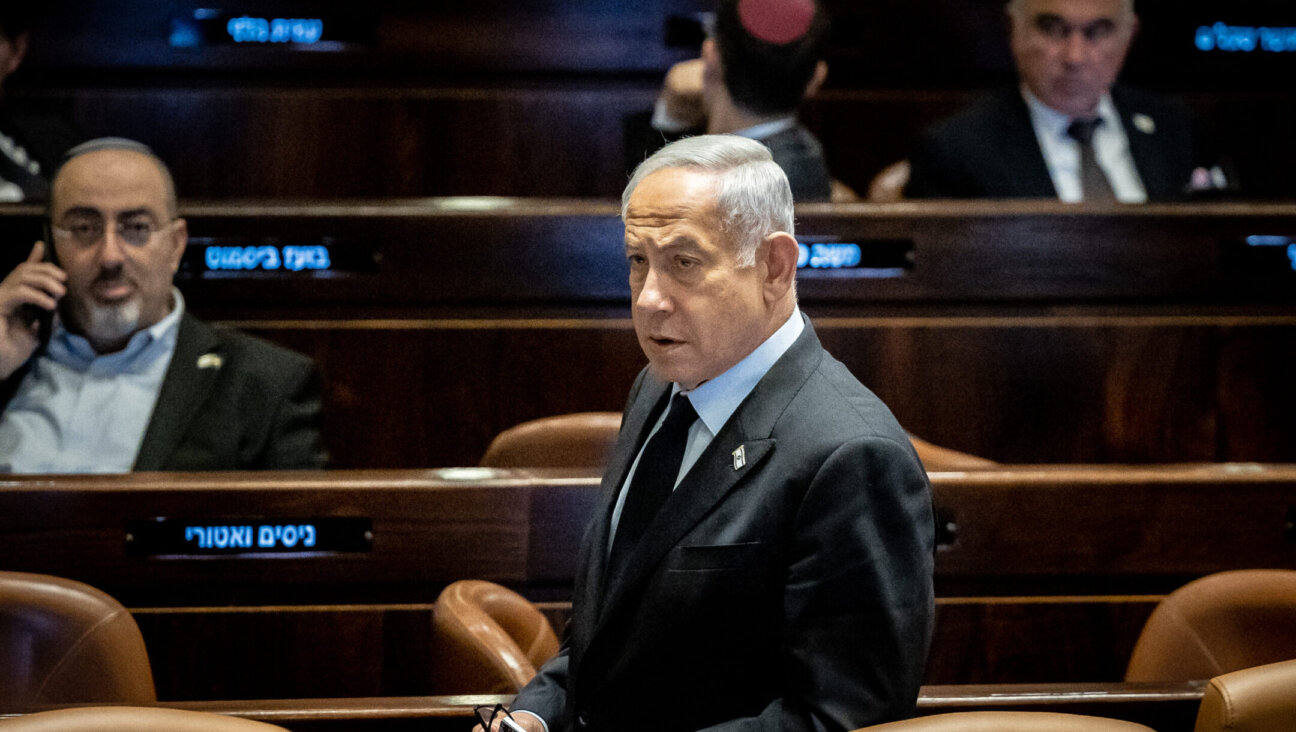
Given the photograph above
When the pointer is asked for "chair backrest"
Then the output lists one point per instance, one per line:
(936, 458)
(1217, 624)
(1259, 699)
(580, 440)
(888, 185)
(489, 639)
(64, 642)
(1009, 722)
(131, 719)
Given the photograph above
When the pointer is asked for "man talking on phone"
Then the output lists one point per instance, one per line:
(102, 369)
(761, 556)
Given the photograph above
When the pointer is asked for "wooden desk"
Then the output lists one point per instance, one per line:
(1043, 574)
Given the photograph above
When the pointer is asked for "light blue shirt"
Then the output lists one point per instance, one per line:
(716, 400)
(77, 411)
(1062, 153)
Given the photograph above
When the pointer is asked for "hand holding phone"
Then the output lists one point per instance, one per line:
(28, 297)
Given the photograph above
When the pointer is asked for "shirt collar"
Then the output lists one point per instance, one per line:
(717, 399)
(769, 129)
(73, 350)
(1056, 123)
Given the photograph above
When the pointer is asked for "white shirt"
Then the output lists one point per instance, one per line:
(1062, 152)
(77, 411)
(715, 401)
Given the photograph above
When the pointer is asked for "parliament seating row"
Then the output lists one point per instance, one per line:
(1044, 574)
(1024, 333)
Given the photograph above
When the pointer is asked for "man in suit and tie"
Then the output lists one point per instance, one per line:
(762, 554)
(1068, 132)
(103, 369)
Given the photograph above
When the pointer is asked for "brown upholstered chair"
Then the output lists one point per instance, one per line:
(1257, 699)
(489, 639)
(936, 458)
(1009, 722)
(1220, 623)
(64, 642)
(581, 440)
(888, 185)
(131, 719)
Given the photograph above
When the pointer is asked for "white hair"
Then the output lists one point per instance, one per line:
(752, 191)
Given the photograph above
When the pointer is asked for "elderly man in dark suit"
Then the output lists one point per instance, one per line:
(762, 554)
(1068, 132)
(103, 369)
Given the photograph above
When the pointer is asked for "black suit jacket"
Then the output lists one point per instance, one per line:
(786, 589)
(989, 150)
(229, 402)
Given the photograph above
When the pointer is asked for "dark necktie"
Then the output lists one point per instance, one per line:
(1093, 182)
(654, 479)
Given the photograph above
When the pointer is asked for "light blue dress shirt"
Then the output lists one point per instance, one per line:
(716, 400)
(1062, 153)
(80, 412)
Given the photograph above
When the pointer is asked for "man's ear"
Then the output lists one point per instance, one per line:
(179, 240)
(781, 253)
(816, 80)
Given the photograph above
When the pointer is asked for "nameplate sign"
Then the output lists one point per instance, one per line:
(176, 537)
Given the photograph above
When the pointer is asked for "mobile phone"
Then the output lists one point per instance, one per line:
(32, 313)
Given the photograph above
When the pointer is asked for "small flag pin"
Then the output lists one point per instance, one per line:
(210, 361)
(1145, 124)
(740, 457)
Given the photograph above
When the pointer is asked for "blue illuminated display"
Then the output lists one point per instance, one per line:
(828, 256)
(247, 29)
(1245, 39)
(264, 536)
(268, 258)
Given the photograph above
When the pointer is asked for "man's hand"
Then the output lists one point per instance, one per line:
(681, 96)
(34, 284)
(526, 720)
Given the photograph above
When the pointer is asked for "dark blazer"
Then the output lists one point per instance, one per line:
(229, 402)
(989, 150)
(790, 589)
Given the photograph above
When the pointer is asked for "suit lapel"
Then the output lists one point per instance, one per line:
(1021, 159)
(193, 370)
(717, 471)
(1145, 146)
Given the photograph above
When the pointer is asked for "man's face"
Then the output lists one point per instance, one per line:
(696, 312)
(115, 287)
(1069, 52)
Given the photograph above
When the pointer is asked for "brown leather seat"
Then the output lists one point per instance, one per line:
(489, 639)
(580, 440)
(1009, 722)
(888, 185)
(1217, 624)
(1258, 699)
(937, 459)
(64, 642)
(131, 719)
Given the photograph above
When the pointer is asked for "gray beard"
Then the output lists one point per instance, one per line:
(108, 324)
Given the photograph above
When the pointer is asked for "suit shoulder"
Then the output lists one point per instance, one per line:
(835, 406)
(249, 352)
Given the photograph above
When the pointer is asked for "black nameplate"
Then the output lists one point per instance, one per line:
(171, 537)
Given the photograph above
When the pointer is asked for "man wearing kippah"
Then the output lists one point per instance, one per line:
(763, 57)
(1068, 132)
(103, 370)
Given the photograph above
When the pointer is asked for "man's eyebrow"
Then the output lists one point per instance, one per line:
(129, 213)
(82, 211)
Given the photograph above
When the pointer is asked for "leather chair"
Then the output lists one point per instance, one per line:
(938, 459)
(489, 639)
(1009, 722)
(581, 440)
(1217, 624)
(1259, 699)
(64, 642)
(888, 185)
(131, 719)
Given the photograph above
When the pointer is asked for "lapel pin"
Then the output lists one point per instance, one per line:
(1145, 124)
(210, 361)
(740, 457)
